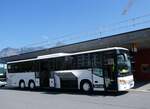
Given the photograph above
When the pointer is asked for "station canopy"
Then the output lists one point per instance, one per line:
(139, 39)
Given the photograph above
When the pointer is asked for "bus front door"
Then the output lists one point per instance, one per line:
(109, 73)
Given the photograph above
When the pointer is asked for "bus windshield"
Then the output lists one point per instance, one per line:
(123, 63)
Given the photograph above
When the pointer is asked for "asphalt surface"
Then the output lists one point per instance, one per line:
(11, 98)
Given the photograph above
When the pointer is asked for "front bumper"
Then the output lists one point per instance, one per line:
(2, 83)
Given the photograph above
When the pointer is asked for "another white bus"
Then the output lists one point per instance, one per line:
(2, 75)
(106, 69)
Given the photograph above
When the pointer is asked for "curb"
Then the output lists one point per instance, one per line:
(139, 90)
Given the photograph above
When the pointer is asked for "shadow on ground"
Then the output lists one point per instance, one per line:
(78, 92)
(139, 84)
(68, 91)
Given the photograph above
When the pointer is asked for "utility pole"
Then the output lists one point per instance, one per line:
(128, 6)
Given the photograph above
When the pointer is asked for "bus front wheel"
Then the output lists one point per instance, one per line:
(86, 87)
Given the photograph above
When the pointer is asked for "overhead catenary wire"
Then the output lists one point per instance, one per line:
(99, 32)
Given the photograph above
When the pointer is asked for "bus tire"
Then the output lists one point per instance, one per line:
(22, 84)
(31, 85)
(86, 86)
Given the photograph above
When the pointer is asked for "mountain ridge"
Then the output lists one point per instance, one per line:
(8, 51)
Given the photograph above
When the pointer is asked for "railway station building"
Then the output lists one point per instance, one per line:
(138, 43)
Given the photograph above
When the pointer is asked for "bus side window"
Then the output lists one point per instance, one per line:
(97, 60)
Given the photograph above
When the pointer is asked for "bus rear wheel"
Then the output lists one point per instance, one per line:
(31, 85)
(22, 84)
(86, 87)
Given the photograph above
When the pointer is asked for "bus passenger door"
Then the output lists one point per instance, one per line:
(44, 73)
(109, 72)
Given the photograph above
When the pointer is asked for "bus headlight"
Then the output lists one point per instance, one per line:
(122, 82)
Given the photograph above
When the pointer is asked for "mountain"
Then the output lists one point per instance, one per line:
(14, 51)
(59, 43)
(29, 49)
(8, 52)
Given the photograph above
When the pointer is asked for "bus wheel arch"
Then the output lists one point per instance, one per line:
(22, 84)
(31, 84)
(86, 86)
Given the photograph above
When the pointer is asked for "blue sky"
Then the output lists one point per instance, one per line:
(25, 22)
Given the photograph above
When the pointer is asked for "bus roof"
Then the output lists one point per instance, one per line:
(66, 54)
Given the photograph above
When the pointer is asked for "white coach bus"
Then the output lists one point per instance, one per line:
(95, 70)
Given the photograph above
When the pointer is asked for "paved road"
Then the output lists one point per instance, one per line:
(45, 99)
